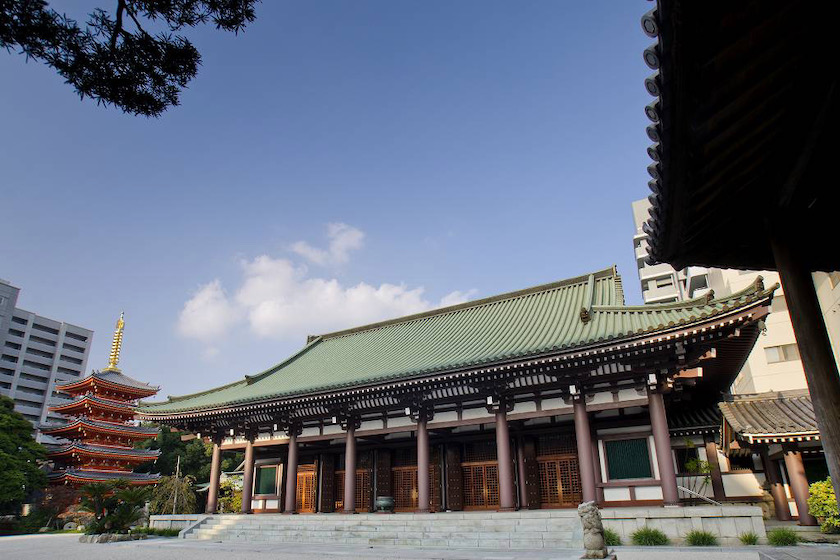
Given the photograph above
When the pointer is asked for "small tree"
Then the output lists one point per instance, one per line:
(20, 456)
(56, 501)
(170, 491)
(230, 497)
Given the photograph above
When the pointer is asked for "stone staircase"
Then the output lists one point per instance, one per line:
(514, 530)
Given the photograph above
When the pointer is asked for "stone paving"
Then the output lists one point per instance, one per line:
(68, 547)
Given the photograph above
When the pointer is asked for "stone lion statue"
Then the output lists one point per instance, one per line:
(593, 531)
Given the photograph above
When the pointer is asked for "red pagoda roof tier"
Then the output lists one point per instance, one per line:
(90, 450)
(88, 476)
(92, 402)
(110, 380)
(77, 425)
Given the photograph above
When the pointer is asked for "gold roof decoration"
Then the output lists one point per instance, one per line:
(116, 345)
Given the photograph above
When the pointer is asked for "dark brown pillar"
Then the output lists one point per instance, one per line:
(714, 468)
(213, 491)
(662, 443)
(248, 477)
(583, 435)
(423, 495)
(798, 484)
(507, 499)
(814, 350)
(777, 489)
(291, 475)
(350, 470)
(520, 471)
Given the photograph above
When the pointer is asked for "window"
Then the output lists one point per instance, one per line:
(36, 365)
(6, 371)
(266, 480)
(779, 304)
(46, 341)
(687, 459)
(13, 345)
(74, 348)
(742, 461)
(44, 328)
(783, 353)
(19, 320)
(8, 358)
(76, 361)
(16, 332)
(68, 371)
(628, 458)
(664, 282)
(75, 336)
(39, 353)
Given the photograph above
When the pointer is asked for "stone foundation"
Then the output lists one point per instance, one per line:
(727, 523)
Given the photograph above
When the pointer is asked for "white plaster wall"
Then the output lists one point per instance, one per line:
(556, 403)
(616, 494)
(648, 492)
(601, 398)
(529, 406)
(742, 484)
(333, 429)
(311, 431)
(399, 422)
(450, 416)
(371, 425)
(472, 413)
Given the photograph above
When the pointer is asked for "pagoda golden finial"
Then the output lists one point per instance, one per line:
(116, 345)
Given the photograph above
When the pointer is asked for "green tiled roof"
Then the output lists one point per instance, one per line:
(554, 317)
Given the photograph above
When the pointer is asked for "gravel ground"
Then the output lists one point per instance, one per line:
(68, 547)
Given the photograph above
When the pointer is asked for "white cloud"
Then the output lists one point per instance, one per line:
(343, 240)
(279, 299)
(207, 314)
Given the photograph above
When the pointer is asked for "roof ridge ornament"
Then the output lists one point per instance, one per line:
(116, 345)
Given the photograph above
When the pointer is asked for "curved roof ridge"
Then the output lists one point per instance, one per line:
(583, 278)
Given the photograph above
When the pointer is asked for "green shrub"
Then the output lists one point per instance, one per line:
(156, 532)
(649, 537)
(611, 538)
(749, 538)
(782, 537)
(823, 505)
(700, 538)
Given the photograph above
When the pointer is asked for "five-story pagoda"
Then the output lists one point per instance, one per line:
(101, 431)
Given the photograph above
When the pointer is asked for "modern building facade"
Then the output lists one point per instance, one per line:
(661, 283)
(541, 398)
(37, 354)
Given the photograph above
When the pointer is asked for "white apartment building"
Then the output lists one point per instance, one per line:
(661, 283)
(36, 353)
(774, 364)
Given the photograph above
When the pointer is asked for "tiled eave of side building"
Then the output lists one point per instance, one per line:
(598, 344)
(773, 417)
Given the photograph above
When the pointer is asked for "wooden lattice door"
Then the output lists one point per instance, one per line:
(480, 473)
(559, 472)
(404, 477)
(363, 500)
(307, 488)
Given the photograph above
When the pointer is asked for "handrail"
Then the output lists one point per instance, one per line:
(701, 496)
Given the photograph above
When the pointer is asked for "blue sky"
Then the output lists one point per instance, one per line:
(337, 163)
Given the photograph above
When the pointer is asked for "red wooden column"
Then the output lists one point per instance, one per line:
(248, 476)
(350, 469)
(798, 483)
(583, 435)
(714, 467)
(423, 494)
(814, 347)
(520, 471)
(777, 489)
(290, 505)
(507, 495)
(662, 443)
(215, 466)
